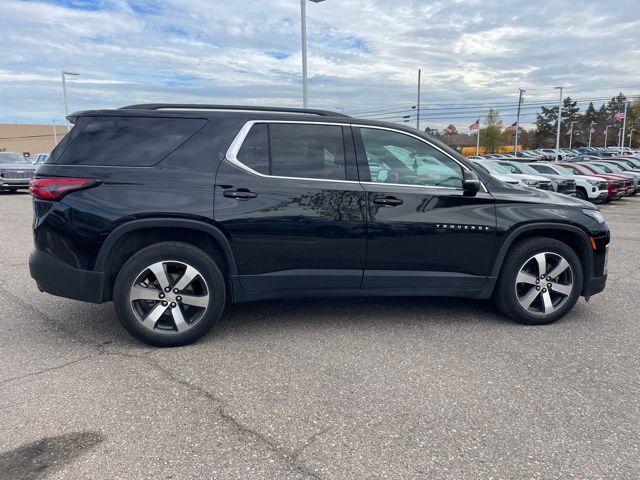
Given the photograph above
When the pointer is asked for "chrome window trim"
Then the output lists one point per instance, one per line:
(232, 153)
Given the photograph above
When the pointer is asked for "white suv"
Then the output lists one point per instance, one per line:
(589, 188)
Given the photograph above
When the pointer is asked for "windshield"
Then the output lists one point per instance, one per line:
(613, 167)
(12, 158)
(598, 168)
(496, 168)
(527, 169)
(563, 170)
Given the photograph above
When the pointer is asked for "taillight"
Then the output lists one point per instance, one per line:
(56, 188)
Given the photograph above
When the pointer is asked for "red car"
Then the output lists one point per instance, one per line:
(615, 185)
(629, 188)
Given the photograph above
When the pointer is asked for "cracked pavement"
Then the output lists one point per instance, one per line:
(327, 389)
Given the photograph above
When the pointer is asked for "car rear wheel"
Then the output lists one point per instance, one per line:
(169, 294)
(540, 282)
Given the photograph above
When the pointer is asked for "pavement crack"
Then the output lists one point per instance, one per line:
(51, 319)
(288, 456)
(46, 370)
(307, 443)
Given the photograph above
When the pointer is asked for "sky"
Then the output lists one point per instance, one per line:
(364, 55)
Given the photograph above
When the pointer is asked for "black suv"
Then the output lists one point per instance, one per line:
(173, 211)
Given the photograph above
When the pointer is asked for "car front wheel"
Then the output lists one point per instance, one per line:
(540, 282)
(169, 294)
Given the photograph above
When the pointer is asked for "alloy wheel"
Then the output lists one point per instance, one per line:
(544, 283)
(169, 297)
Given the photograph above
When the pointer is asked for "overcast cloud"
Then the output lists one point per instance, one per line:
(363, 54)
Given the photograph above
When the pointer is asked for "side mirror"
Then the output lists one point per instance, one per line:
(470, 183)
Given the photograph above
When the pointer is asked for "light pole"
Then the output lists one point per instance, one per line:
(303, 22)
(590, 132)
(418, 104)
(64, 93)
(515, 148)
(559, 120)
(606, 131)
(630, 136)
(571, 133)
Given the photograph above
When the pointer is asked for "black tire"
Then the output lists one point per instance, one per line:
(179, 253)
(505, 295)
(581, 194)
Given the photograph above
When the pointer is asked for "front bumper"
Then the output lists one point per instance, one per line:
(594, 285)
(58, 278)
(14, 182)
(601, 197)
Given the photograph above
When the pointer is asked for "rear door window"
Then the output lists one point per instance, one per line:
(127, 141)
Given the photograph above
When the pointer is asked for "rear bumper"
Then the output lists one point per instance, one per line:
(58, 278)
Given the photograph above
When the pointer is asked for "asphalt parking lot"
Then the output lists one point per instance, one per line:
(335, 389)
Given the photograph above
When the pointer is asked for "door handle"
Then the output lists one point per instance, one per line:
(241, 193)
(387, 201)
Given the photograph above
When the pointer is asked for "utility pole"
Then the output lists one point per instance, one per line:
(418, 104)
(559, 120)
(55, 134)
(515, 148)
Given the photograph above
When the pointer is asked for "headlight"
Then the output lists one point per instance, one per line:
(1, 173)
(593, 182)
(595, 214)
(531, 182)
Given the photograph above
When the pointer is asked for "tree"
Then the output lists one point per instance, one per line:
(547, 122)
(450, 130)
(491, 135)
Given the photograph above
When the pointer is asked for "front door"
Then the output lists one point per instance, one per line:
(423, 231)
(293, 210)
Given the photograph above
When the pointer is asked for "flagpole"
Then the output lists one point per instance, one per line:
(590, 132)
(478, 141)
(515, 149)
(624, 124)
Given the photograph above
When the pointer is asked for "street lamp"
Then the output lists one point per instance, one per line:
(606, 131)
(64, 93)
(590, 132)
(559, 119)
(303, 22)
(571, 133)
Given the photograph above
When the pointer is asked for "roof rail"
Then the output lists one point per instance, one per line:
(244, 108)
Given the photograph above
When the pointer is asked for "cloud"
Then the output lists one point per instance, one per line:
(363, 54)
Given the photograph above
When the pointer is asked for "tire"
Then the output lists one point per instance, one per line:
(581, 194)
(520, 281)
(165, 318)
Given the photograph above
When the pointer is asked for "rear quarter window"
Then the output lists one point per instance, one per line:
(126, 141)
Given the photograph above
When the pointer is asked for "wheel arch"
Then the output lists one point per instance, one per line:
(130, 237)
(573, 236)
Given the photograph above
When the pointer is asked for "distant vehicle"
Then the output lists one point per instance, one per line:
(593, 189)
(615, 185)
(15, 172)
(522, 169)
(39, 158)
(533, 181)
(617, 170)
(498, 172)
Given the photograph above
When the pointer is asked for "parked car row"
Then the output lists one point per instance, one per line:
(589, 174)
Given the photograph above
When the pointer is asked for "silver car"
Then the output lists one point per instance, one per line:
(15, 171)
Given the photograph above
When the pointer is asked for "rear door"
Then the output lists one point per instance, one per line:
(288, 198)
(424, 232)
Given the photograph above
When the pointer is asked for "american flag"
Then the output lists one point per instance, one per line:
(593, 130)
(511, 127)
(570, 131)
(619, 116)
(475, 125)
